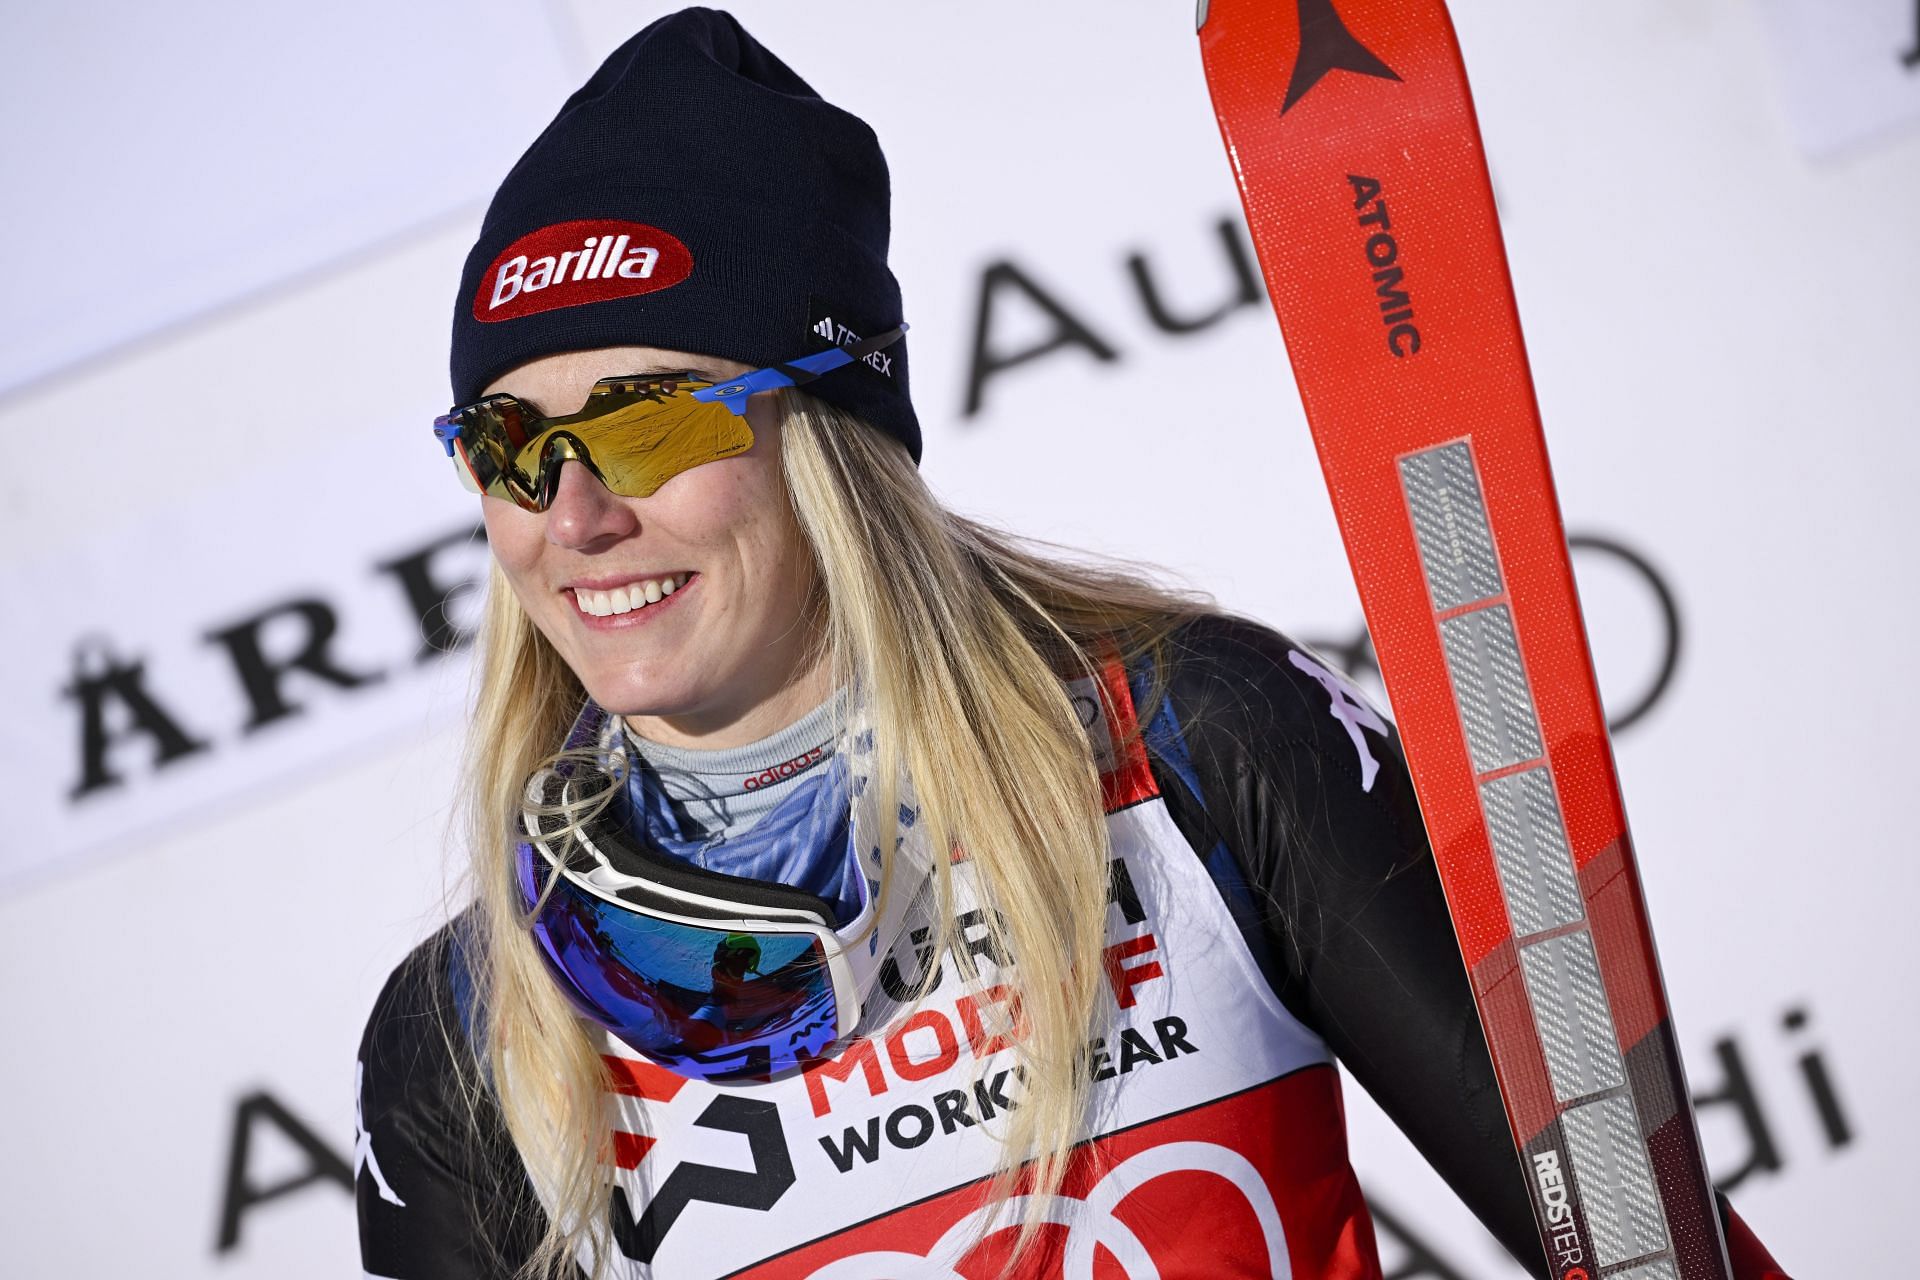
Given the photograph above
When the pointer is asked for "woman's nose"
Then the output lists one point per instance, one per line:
(585, 514)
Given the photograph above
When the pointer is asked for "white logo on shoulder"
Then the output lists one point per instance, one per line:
(1349, 709)
(1092, 713)
(363, 1156)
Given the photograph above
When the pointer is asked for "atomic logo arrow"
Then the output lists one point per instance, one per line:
(1326, 45)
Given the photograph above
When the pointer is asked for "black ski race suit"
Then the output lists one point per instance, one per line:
(1274, 908)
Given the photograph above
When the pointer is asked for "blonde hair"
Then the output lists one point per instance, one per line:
(960, 637)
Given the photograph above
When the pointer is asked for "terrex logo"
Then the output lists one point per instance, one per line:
(570, 263)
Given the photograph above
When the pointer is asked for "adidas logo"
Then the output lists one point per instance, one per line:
(839, 335)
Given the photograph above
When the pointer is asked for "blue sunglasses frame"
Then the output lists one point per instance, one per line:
(734, 391)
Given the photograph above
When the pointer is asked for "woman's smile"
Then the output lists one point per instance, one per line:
(627, 602)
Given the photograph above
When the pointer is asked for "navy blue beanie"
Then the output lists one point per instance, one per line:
(697, 195)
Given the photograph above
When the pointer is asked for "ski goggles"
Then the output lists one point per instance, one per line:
(712, 976)
(635, 433)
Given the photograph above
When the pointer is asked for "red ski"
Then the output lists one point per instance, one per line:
(1353, 138)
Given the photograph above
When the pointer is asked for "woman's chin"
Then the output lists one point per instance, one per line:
(623, 695)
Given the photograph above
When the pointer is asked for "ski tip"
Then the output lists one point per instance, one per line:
(1200, 15)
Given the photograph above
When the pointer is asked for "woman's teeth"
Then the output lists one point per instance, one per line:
(635, 595)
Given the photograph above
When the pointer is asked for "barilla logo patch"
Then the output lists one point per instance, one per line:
(571, 263)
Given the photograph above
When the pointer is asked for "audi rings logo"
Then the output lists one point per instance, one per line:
(1091, 1224)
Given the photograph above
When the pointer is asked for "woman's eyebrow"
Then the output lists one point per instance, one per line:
(655, 370)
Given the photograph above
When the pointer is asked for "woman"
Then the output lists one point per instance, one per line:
(858, 891)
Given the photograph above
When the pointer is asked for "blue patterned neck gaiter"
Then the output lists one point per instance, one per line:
(803, 842)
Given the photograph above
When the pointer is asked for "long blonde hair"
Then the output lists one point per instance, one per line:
(960, 637)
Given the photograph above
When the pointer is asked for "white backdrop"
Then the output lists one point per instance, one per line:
(1709, 209)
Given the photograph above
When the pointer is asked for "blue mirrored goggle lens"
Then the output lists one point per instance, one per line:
(703, 1000)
